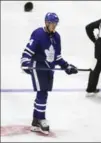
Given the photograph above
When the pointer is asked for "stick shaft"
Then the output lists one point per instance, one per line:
(48, 69)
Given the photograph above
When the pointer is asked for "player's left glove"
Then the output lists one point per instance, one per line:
(71, 69)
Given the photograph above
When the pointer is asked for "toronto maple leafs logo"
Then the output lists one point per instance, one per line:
(50, 54)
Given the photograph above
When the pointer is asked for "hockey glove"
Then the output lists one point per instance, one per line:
(26, 64)
(71, 69)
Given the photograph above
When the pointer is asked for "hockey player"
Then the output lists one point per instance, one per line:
(94, 74)
(44, 51)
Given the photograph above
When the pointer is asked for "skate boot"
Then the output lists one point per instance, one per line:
(97, 91)
(40, 126)
(92, 93)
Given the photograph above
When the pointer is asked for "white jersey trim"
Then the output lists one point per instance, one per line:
(30, 50)
(27, 53)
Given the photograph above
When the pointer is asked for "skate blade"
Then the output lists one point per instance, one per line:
(35, 129)
(90, 94)
(38, 129)
(44, 132)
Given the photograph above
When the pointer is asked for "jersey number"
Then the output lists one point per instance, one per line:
(30, 42)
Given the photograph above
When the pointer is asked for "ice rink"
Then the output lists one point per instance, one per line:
(72, 116)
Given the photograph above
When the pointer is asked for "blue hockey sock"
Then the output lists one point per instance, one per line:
(40, 105)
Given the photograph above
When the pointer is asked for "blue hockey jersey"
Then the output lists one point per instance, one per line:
(44, 47)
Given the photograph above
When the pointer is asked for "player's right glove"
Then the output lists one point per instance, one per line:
(26, 65)
(71, 69)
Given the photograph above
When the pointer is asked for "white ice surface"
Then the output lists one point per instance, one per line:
(71, 115)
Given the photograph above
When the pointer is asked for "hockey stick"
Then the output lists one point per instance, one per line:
(55, 69)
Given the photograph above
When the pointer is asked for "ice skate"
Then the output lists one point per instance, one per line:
(97, 91)
(40, 126)
(90, 94)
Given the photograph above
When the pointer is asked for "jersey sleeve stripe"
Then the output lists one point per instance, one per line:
(25, 52)
(25, 60)
(29, 50)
